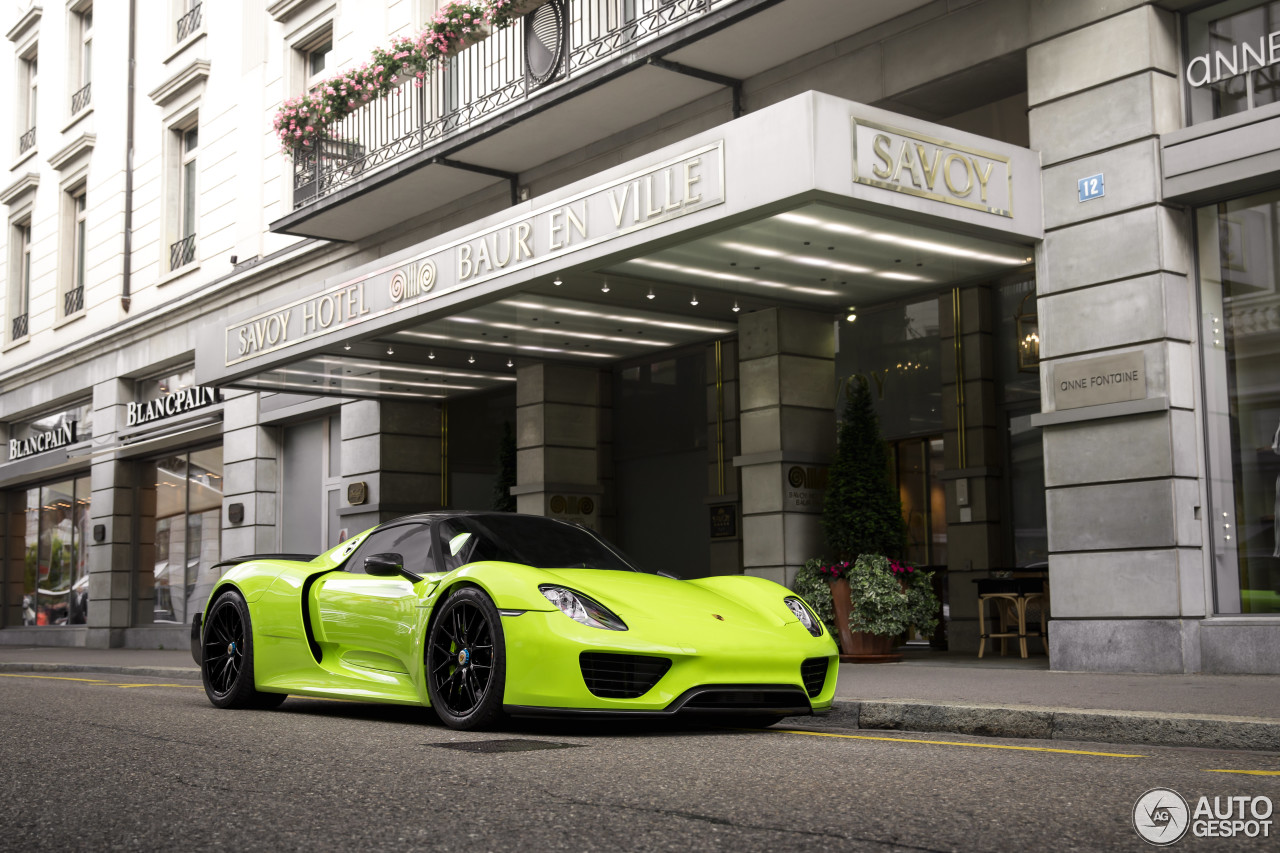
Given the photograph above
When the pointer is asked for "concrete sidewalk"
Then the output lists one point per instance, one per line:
(929, 692)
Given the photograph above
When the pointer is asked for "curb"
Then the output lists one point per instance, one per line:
(180, 672)
(1102, 726)
(1039, 723)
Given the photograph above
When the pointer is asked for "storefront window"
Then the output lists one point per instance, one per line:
(55, 584)
(1231, 64)
(182, 533)
(163, 386)
(1239, 248)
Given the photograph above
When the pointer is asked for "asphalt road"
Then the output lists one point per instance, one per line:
(117, 763)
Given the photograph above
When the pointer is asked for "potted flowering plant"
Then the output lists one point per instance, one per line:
(871, 601)
(455, 27)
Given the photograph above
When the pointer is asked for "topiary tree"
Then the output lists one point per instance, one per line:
(862, 513)
(503, 500)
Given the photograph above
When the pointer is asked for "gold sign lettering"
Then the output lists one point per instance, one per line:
(932, 168)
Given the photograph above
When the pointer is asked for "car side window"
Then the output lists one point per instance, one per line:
(410, 541)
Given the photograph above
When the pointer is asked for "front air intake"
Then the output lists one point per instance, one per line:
(617, 676)
(813, 673)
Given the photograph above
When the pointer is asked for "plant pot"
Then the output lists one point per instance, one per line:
(841, 598)
(872, 648)
(480, 32)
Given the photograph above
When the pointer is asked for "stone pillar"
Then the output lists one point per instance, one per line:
(250, 468)
(558, 424)
(1128, 571)
(394, 448)
(786, 370)
(723, 493)
(973, 455)
(111, 561)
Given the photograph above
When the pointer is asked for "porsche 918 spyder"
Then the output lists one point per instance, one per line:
(478, 615)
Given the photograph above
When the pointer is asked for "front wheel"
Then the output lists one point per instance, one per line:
(466, 661)
(226, 656)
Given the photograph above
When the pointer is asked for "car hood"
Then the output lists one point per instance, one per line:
(640, 596)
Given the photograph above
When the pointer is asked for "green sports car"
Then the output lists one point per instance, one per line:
(484, 614)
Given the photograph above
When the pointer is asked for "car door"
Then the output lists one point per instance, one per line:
(365, 622)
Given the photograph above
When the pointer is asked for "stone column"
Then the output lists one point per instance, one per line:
(1128, 571)
(111, 561)
(786, 374)
(394, 448)
(722, 446)
(558, 423)
(250, 468)
(973, 455)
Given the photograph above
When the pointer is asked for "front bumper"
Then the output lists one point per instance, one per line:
(740, 670)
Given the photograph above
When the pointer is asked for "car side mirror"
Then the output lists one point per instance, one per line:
(388, 566)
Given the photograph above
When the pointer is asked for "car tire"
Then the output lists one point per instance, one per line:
(465, 661)
(226, 656)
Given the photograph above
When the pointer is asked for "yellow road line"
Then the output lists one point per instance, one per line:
(118, 684)
(52, 677)
(958, 743)
(1248, 772)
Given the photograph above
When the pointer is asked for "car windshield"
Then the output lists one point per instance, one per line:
(542, 543)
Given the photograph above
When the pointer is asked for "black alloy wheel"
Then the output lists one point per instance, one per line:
(465, 661)
(226, 665)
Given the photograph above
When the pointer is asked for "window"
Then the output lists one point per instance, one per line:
(55, 582)
(81, 58)
(411, 541)
(316, 58)
(20, 283)
(189, 19)
(182, 250)
(181, 518)
(27, 104)
(1231, 63)
(1239, 254)
(76, 235)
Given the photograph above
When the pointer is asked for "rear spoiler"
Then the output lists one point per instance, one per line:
(297, 558)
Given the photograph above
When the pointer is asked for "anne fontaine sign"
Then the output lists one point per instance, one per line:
(675, 188)
(1094, 381)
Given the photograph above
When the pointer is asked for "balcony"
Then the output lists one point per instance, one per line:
(19, 329)
(26, 141)
(73, 301)
(81, 99)
(182, 252)
(189, 24)
(570, 74)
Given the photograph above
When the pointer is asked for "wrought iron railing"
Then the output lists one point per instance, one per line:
(190, 22)
(80, 99)
(73, 301)
(19, 327)
(478, 83)
(26, 141)
(182, 252)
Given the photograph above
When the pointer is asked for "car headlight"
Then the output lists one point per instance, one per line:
(806, 617)
(581, 609)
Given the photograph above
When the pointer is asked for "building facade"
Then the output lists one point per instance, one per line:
(643, 246)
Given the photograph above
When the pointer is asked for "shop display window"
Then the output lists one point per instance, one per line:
(1239, 259)
(1229, 65)
(181, 534)
(55, 579)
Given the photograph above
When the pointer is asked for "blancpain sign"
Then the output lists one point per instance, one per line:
(176, 403)
(20, 448)
(691, 182)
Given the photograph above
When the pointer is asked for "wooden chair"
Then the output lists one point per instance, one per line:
(1011, 597)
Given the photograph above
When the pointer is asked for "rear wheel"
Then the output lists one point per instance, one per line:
(226, 664)
(466, 661)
